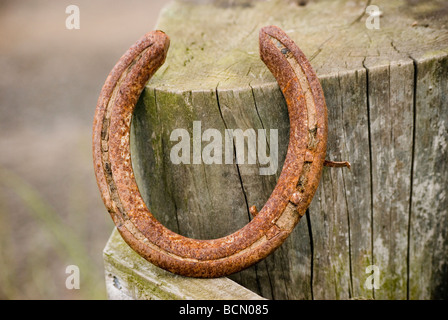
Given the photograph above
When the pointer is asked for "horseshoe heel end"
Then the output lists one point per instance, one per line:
(161, 43)
(306, 107)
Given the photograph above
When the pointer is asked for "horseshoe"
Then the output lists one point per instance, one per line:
(270, 226)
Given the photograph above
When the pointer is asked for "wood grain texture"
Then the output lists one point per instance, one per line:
(391, 124)
(340, 214)
(130, 277)
(428, 237)
(386, 93)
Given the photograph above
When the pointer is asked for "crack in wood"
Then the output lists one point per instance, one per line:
(369, 131)
(411, 178)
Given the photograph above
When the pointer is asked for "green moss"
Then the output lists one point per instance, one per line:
(147, 290)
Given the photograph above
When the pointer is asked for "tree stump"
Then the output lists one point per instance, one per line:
(378, 230)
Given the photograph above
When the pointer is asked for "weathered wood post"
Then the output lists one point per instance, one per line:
(379, 230)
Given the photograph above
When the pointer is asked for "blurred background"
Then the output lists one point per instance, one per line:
(51, 213)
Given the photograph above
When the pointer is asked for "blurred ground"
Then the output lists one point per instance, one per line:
(51, 213)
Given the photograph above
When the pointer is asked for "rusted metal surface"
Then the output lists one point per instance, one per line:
(337, 164)
(253, 211)
(270, 226)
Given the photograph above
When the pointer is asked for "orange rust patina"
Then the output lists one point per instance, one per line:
(271, 225)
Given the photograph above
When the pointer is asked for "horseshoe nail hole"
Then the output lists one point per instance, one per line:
(301, 184)
(116, 283)
(313, 140)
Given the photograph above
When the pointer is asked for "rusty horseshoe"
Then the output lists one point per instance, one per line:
(270, 226)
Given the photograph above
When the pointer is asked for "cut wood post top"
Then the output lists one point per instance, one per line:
(215, 43)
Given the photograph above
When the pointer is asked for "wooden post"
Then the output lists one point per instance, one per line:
(130, 277)
(387, 96)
